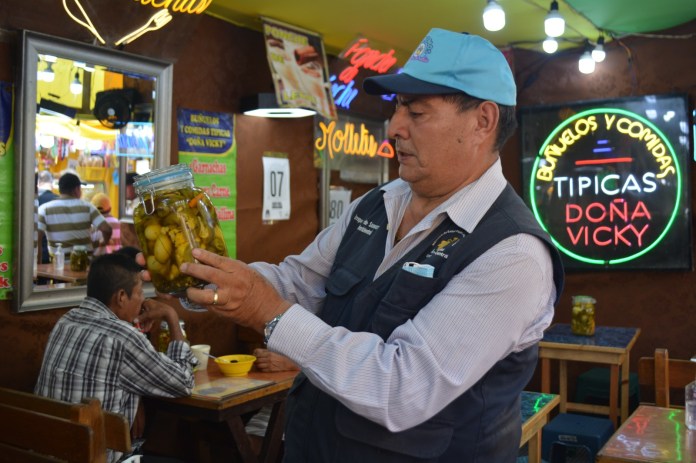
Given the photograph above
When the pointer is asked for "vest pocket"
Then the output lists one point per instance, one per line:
(407, 294)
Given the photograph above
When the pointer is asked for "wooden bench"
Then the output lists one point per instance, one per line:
(40, 429)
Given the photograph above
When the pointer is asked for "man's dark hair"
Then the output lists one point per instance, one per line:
(130, 178)
(507, 122)
(110, 273)
(130, 251)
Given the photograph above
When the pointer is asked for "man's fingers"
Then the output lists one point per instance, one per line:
(223, 263)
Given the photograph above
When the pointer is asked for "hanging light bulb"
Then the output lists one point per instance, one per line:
(76, 85)
(493, 16)
(47, 75)
(554, 24)
(598, 53)
(586, 65)
(550, 45)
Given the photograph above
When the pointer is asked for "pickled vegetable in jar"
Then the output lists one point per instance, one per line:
(172, 218)
(583, 319)
(79, 259)
(163, 337)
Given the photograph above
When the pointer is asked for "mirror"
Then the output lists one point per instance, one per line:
(99, 112)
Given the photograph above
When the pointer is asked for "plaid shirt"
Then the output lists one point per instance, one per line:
(92, 353)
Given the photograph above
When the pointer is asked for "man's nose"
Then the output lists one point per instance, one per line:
(397, 126)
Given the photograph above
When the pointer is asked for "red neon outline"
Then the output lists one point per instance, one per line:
(602, 161)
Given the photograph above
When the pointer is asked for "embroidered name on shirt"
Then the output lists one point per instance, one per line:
(365, 226)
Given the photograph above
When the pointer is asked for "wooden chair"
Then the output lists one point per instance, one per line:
(35, 428)
(663, 373)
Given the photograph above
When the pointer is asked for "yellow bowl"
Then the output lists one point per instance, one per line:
(235, 365)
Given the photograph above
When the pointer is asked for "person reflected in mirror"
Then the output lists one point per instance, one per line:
(68, 220)
(99, 349)
(44, 194)
(103, 205)
(416, 317)
(128, 235)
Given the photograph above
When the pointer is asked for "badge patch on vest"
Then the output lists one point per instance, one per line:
(442, 246)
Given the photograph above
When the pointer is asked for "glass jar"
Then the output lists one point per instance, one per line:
(79, 259)
(583, 319)
(163, 337)
(172, 218)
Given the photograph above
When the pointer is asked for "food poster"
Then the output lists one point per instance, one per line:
(6, 189)
(299, 68)
(207, 145)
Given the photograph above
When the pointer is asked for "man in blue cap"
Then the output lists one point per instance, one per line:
(415, 318)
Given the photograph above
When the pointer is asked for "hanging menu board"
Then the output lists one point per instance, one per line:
(609, 181)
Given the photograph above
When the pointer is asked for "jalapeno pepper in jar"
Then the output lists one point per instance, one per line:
(173, 217)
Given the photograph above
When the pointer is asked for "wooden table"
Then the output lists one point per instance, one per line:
(536, 407)
(609, 345)
(217, 398)
(64, 274)
(651, 434)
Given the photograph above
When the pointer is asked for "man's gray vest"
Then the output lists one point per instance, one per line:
(483, 424)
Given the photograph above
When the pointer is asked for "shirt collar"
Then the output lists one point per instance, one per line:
(467, 206)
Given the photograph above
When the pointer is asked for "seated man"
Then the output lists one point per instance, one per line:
(96, 351)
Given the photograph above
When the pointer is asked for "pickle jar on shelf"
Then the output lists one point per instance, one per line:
(173, 217)
(583, 318)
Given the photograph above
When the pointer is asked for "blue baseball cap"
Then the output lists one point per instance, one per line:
(451, 62)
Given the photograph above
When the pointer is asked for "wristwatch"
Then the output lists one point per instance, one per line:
(270, 326)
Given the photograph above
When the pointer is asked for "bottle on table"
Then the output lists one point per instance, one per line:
(59, 257)
(690, 405)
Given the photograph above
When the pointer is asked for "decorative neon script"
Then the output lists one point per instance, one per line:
(600, 184)
(179, 6)
(351, 142)
(360, 55)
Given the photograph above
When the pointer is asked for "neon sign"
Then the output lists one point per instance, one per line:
(360, 56)
(607, 185)
(350, 141)
(367, 58)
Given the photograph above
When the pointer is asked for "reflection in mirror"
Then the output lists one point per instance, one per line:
(98, 113)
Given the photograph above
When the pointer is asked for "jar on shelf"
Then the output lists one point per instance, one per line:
(583, 318)
(173, 217)
(79, 259)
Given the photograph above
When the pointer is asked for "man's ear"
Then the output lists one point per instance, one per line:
(488, 115)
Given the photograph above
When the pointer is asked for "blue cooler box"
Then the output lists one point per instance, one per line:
(573, 429)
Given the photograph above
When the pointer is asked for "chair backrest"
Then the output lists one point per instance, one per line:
(106, 429)
(664, 373)
(27, 435)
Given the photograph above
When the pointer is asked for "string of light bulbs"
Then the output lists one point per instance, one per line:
(554, 27)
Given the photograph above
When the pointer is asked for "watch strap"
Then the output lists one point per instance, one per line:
(270, 326)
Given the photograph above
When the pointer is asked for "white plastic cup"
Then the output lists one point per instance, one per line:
(201, 351)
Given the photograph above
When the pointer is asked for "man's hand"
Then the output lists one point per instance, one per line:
(268, 361)
(153, 311)
(242, 294)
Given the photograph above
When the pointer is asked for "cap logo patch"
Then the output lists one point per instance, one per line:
(424, 49)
